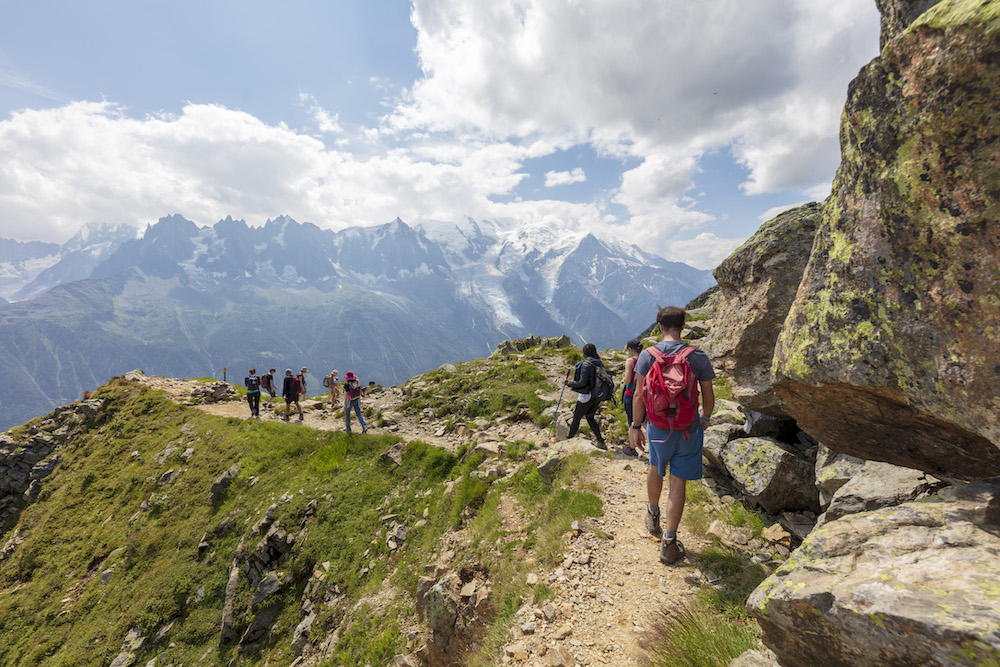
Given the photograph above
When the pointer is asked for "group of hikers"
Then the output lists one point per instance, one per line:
(293, 389)
(668, 378)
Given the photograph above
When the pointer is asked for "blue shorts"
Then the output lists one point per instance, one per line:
(670, 447)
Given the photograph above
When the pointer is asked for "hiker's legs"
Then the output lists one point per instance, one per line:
(578, 411)
(357, 410)
(254, 400)
(591, 414)
(347, 413)
(654, 486)
(676, 495)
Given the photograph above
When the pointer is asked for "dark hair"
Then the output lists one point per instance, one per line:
(671, 317)
(634, 344)
(589, 350)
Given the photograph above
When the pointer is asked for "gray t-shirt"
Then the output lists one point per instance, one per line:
(700, 364)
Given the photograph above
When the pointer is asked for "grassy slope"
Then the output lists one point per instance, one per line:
(55, 610)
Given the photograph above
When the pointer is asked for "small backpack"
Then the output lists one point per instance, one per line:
(354, 389)
(252, 383)
(326, 381)
(296, 387)
(604, 386)
(670, 391)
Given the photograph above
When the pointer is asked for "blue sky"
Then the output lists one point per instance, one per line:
(676, 125)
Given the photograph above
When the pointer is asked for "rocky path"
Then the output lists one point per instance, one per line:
(610, 588)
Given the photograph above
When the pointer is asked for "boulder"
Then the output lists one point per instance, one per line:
(757, 286)
(878, 485)
(914, 584)
(898, 14)
(834, 470)
(716, 439)
(772, 474)
(223, 481)
(894, 335)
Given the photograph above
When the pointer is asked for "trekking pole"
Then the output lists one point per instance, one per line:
(558, 403)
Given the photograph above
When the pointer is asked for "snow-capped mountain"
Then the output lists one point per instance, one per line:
(387, 302)
(30, 269)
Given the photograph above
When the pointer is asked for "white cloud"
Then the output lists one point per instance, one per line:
(641, 77)
(772, 213)
(557, 178)
(705, 251)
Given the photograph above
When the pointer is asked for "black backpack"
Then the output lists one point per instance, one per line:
(604, 386)
(354, 389)
(252, 383)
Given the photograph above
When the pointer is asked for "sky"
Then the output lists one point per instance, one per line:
(678, 126)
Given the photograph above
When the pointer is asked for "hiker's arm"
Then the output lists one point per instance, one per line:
(637, 436)
(629, 370)
(707, 399)
(586, 378)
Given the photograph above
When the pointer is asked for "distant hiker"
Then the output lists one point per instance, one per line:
(291, 390)
(302, 381)
(353, 392)
(252, 383)
(267, 384)
(632, 348)
(585, 383)
(331, 381)
(668, 376)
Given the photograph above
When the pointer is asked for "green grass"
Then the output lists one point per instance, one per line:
(701, 637)
(55, 610)
(481, 389)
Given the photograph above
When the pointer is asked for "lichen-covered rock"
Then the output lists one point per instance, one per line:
(834, 470)
(894, 336)
(757, 286)
(909, 585)
(772, 474)
(878, 485)
(898, 14)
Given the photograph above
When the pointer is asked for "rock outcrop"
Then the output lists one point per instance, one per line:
(894, 336)
(757, 284)
(909, 585)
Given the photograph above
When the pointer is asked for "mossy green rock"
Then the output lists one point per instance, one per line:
(757, 286)
(915, 584)
(773, 474)
(891, 350)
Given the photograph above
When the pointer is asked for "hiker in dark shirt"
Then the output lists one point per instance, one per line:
(267, 384)
(352, 400)
(632, 348)
(252, 383)
(584, 382)
(291, 389)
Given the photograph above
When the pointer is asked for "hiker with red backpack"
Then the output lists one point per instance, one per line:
(291, 390)
(586, 382)
(353, 392)
(668, 377)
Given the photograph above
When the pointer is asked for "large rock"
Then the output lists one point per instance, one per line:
(757, 286)
(773, 474)
(898, 14)
(877, 485)
(834, 470)
(909, 585)
(894, 336)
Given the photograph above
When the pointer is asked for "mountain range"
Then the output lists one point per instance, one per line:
(387, 302)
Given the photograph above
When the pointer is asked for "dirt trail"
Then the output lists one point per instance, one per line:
(610, 587)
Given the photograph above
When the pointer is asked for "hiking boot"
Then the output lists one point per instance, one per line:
(364, 429)
(301, 417)
(672, 551)
(284, 417)
(653, 523)
(601, 445)
(629, 452)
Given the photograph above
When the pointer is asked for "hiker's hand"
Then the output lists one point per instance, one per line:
(638, 438)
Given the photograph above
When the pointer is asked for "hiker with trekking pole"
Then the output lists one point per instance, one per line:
(588, 382)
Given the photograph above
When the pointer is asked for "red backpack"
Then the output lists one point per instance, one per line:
(670, 391)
